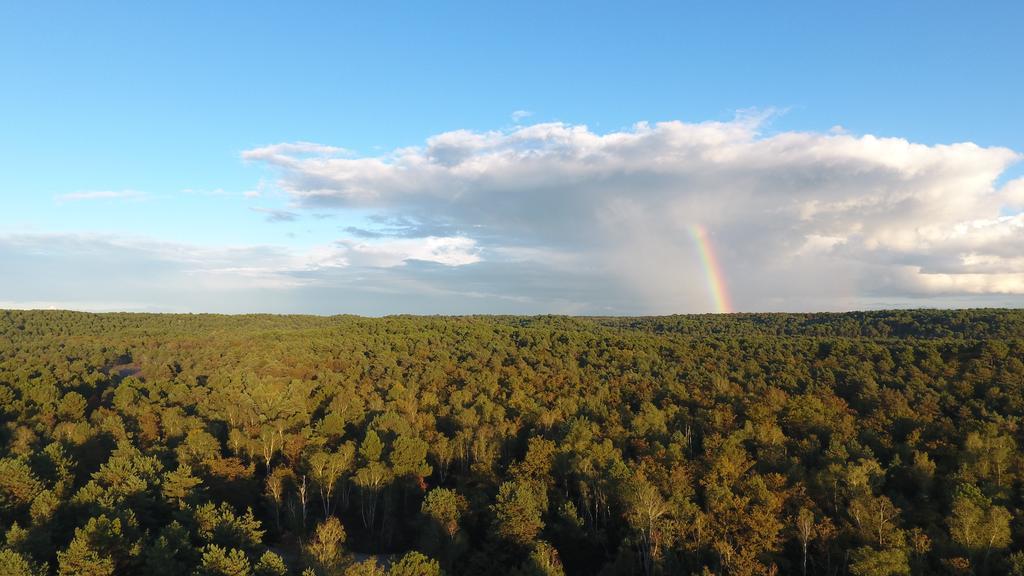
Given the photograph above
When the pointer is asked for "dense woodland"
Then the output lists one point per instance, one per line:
(865, 444)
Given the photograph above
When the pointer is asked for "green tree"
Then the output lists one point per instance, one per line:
(543, 561)
(18, 487)
(415, 564)
(178, 484)
(219, 561)
(270, 564)
(170, 553)
(867, 561)
(517, 512)
(805, 530)
(368, 567)
(222, 526)
(327, 469)
(443, 509)
(371, 477)
(647, 513)
(98, 548)
(976, 524)
(14, 564)
(325, 550)
(408, 458)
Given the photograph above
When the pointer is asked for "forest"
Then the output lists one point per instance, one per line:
(871, 443)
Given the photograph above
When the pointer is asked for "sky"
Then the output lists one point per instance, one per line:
(531, 157)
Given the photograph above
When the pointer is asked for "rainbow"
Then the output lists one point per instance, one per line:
(712, 270)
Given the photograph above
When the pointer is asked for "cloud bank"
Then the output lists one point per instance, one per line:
(104, 272)
(559, 218)
(799, 219)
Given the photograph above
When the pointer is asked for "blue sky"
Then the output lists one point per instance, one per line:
(129, 125)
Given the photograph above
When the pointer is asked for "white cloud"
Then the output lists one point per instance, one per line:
(520, 115)
(453, 251)
(998, 283)
(84, 306)
(100, 195)
(286, 149)
(108, 272)
(794, 215)
(559, 218)
(227, 267)
(276, 214)
(1014, 193)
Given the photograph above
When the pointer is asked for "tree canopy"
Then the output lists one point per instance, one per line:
(864, 443)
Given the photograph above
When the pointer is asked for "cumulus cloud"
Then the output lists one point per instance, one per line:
(1014, 194)
(559, 218)
(798, 219)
